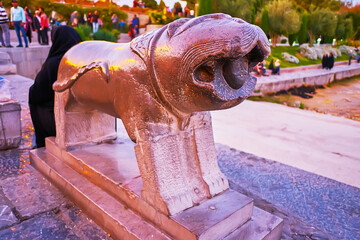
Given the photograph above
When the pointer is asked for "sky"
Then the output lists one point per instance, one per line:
(170, 3)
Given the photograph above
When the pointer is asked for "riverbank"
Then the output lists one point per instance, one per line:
(311, 76)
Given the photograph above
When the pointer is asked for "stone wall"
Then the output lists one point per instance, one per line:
(28, 61)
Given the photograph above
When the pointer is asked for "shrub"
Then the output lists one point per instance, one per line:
(105, 35)
(85, 32)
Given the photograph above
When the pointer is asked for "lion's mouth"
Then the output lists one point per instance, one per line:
(234, 71)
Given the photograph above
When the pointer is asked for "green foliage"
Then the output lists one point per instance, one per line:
(322, 22)
(191, 4)
(340, 31)
(151, 4)
(106, 35)
(284, 19)
(301, 106)
(65, 11)
(162, 5)
(302, 35)
(293, 38)
(265, 21)
(205, 7)
(85, 32)
(159, 17)
(235, 8)
(276, 54)
(349, 29)
(333, 5)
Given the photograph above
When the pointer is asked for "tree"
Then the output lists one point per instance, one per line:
(283, 19)
(162, 5)
(302, 35)
(307, 4)
(151, 4)
(191, 4)
(265, 21)
(205, 7)
(321, 22)
(235, 8)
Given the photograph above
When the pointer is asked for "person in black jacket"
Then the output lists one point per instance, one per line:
(41, 94)
(325, 61)
(331, 61)
(37, 26)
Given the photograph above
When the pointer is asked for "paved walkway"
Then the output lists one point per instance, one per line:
(318, 143)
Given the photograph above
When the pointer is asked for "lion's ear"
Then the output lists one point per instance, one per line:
(174, 26)
(140, 45)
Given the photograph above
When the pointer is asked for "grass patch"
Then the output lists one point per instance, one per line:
(276, 54)
(271, 99)
(302, 106)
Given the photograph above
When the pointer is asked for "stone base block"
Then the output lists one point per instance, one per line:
(104, 181)
(7, 69)
(10, 125)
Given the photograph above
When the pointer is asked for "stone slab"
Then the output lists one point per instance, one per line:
(44, 226)
(10, 125)
(262, 226)
(28, 61)
(216, 217)
(107, 212)
(6, 69)
(19, 190)
(313, 77)
(117, 173)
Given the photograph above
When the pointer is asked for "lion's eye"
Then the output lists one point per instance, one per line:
(205, 73)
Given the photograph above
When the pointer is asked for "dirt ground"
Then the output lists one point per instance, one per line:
(341, 98)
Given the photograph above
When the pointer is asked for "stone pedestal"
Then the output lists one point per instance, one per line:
(109, 191)
(10, 124)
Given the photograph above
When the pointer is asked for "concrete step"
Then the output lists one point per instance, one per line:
(6, 66)
(106, 211)
(6, 69)
(262, 225)
(117, 174)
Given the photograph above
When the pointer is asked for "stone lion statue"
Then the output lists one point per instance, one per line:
(161, 85)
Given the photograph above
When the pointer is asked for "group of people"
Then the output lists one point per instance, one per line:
(92, 20)
(139, 4)
(134, 27)
(260, 68)
(25, 23)
(327, 61)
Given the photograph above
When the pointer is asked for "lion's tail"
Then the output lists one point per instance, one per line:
(103, 67)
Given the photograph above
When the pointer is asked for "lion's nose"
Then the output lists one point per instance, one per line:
(236, 72)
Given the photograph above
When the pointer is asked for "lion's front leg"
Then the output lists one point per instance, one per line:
(168, 164)
(205, 150)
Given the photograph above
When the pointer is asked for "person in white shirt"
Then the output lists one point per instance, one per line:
(18, 20)
(4, 27)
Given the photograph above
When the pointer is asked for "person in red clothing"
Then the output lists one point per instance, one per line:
(44, 23)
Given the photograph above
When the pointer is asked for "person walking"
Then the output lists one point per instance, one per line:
(4, 27)
(115, 21)
(95, 21)
(37, 26)
(136, 24)
(18, 20)
(27, 26)
(41, 94)
(44, 23)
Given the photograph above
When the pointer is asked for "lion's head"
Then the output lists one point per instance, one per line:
(203, 63)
